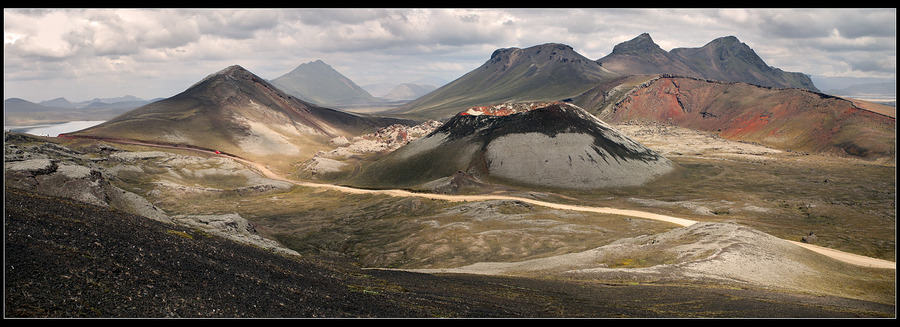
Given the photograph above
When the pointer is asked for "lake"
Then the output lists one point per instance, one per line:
(54, 129)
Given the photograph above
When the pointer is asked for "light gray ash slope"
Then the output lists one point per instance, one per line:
(550, 146)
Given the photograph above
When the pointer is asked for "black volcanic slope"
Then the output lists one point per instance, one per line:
(69, 259)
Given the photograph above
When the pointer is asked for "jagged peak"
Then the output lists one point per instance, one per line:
(726, 42)
(643, 37)
(233, 69)
(640, 43)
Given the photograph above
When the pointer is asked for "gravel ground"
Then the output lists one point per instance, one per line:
(65, 258)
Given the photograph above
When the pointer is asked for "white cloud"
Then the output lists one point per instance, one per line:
(60, 47)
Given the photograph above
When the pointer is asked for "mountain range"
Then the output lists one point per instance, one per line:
(722, 87)
(724, 59)
(535, 123)
(630, 83)
(552, 71)
(405, 91)
(21, 112)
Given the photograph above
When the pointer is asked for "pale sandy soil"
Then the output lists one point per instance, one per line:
(842, 256)
(714, 144)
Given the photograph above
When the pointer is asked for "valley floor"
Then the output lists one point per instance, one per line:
(69, 259)
(691, 247)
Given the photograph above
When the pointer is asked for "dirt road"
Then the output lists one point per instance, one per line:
(849, 257)
(838, 255)
(262, 169)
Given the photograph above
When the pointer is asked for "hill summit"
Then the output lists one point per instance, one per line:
(552, 145)
(724, 59)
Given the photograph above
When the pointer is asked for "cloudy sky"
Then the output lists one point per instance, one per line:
(82, 54)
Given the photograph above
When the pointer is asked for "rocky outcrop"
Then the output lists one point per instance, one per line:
(51, 169)
(81, 183)
(234, 227)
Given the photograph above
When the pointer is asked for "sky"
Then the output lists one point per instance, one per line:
(81, 54)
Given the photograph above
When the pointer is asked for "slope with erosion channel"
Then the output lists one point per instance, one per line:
(545, 145)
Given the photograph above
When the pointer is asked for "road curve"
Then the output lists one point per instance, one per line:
(851, 258)
(835, 254)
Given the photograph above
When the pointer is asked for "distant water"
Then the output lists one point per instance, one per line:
(54, 129)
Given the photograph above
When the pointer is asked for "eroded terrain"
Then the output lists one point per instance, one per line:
(748, 194)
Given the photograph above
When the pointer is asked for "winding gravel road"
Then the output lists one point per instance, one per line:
(835, 254)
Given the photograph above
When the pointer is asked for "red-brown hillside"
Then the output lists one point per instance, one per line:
(790, 119)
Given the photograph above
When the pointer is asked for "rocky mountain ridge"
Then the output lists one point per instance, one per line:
(724, 59)
(553, 72)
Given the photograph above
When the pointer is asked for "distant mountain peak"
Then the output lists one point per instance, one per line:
(319, 83)
(638, 45)
(730, 39)
(730, 42)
